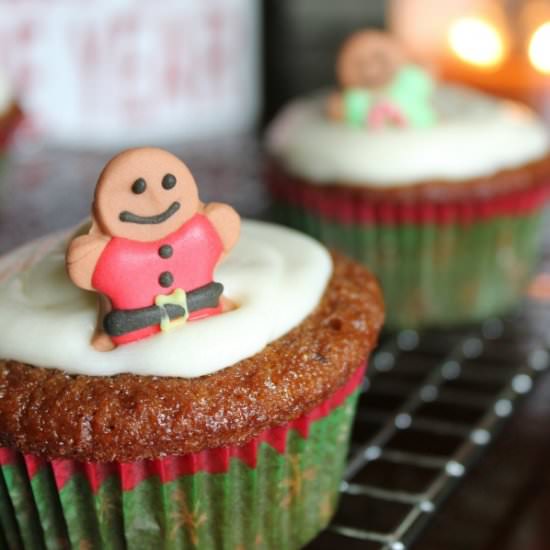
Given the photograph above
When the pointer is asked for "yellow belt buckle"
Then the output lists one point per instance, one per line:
(178, 297)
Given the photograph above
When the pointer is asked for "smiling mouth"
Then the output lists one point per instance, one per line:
(146, 220)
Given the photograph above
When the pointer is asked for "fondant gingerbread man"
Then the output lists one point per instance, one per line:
(378, 85)
(152, 248)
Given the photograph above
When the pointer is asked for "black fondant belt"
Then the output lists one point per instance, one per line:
(170, 310)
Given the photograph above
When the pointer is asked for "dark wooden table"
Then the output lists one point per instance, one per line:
(504, 503)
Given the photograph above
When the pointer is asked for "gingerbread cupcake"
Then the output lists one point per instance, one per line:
(440, 189)
(203, 401)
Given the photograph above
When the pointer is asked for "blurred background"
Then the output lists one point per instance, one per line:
(105, 73)
(79, 81)
(204, 78)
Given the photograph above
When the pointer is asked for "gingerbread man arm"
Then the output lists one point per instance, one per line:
(335, 106)
(226, 221)
(82, 257)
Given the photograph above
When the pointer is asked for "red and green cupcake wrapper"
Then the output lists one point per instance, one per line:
(277, 491)
(439, 263)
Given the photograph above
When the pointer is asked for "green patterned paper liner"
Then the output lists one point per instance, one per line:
(438, 266)
(439, 275)
(279, 498)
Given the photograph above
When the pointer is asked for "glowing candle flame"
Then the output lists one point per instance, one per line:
(539, 48)
(477, 41)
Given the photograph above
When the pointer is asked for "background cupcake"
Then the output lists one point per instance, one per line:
(438, 187)
(228, 431)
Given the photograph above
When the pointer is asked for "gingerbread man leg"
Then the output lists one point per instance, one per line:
(101, 341)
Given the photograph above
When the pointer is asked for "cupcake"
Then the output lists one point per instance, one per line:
(439, 188)
(207, 401)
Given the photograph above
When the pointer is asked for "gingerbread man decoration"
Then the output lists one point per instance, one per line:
(152, 248)
(378, 86)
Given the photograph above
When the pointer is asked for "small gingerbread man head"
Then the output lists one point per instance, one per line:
(144, 194)
(368, 59)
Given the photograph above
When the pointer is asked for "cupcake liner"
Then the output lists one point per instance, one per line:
(442, 263)
(276, 491)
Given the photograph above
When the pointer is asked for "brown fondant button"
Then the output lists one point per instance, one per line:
(166, 279)
(166, 251)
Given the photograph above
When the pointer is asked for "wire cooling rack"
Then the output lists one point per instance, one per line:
(431, 404)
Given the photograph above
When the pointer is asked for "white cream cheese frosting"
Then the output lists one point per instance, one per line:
(276, 276)
(475, 136)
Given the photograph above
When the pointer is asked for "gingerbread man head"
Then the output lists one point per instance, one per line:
(144, 194)
(368, 59)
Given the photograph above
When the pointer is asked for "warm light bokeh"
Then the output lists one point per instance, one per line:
(477, 41)
(539, 48)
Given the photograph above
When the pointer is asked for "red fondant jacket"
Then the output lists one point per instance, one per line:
(133, 273)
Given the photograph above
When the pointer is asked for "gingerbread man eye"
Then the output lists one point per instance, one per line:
(168, 181)
(139, 186)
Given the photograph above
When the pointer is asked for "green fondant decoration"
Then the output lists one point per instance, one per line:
(357, 104)
(410, 93)
(281, 504)
(439, 275)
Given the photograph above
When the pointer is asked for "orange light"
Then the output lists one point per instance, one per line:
(539, 48)
(477, 41)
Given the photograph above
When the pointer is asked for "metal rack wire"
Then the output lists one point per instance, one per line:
(431, 404)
